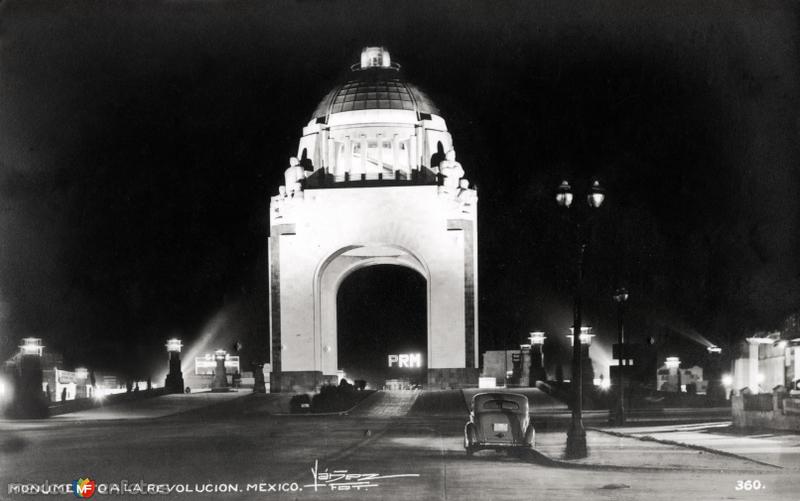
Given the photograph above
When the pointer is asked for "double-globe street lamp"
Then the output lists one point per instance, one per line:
(576, 435)
(620, 297)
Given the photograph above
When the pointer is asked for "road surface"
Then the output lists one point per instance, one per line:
(414, 451)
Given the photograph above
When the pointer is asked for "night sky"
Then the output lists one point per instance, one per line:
(140, 143)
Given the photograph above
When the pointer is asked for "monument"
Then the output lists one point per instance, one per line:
(366, 189)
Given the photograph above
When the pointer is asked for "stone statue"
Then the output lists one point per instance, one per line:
(451, 170)
(293, 176)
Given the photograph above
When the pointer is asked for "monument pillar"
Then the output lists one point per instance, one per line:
(220, 383)
(259, 385)
(174, 382)
(29, 401)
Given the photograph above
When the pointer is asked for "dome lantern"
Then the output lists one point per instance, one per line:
(375, 57)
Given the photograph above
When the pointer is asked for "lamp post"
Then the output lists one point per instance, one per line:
(587, 378)
(220, 383)
(674, 363)
(714, 390)
(174, 382)
(259, 385)
(537, 357)
(29, 401)
(576, 435)
(525, 365)
(620, 297)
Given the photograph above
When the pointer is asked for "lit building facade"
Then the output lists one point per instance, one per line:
(672, 377)
(375, 182)
(767, 361)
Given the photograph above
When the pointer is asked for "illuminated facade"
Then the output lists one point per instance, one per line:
(767, 361)
(375, 182)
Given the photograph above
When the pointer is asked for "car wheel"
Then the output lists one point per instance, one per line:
(529, 434)
(469, 439)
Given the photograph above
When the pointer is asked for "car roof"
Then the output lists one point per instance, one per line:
(479, 398)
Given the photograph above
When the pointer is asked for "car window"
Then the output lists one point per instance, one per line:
(501, 404)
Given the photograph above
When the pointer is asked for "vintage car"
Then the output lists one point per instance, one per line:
(498, 421)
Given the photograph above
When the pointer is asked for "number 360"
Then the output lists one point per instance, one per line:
(749, 485)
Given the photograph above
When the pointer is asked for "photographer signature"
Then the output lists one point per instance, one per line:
(343, 480)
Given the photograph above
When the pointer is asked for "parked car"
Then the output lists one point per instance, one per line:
(498, 421)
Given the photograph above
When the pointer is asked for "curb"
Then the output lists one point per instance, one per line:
(648, 438)
(539, 458)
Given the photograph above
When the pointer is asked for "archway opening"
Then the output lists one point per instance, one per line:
(382, 318)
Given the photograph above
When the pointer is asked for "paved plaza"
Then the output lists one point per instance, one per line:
(394, 445)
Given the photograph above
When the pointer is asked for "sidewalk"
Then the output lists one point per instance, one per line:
(780, 449)
(619, 451)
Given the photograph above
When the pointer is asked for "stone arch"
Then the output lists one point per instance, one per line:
(330, 274)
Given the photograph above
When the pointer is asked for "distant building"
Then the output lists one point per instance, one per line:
(768, 360)
(497, 364)
(206, 365)
(641, 362)
(768, 363)
(58, 384)
(671, 377)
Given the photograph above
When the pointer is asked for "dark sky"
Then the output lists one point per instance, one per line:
(140, 143)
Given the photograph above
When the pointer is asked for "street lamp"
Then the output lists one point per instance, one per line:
(220, 383)
(174, 345)
(564, 194)
(596, 195)
(537, 337)
(576, 435)
(174, 382)
(538, 373)
(585, 337)
(524, 365)
(620, 297)
(29, 400)
(587, 374)
(674, 363)
(715, 390)
(31, 346)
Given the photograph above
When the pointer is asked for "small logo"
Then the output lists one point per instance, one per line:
(84, 487)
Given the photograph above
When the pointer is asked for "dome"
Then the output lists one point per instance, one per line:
(374, 127)
(375, 84)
